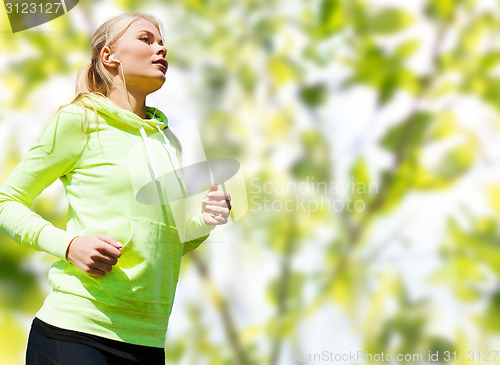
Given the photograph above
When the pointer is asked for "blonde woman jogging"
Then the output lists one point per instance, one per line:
(114, 285)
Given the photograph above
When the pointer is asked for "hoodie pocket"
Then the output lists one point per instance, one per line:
(148, 268)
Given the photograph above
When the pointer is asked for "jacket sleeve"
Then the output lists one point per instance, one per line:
(196, 233)
(54, 155)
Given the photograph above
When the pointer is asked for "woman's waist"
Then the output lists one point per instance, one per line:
(142, 325)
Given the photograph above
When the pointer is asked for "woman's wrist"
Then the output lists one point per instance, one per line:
(67, 250)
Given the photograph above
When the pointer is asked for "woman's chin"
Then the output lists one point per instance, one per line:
(155, 86)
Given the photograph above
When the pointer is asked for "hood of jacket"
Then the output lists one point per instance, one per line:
(122, 118)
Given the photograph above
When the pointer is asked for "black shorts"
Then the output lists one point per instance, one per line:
(49, 345)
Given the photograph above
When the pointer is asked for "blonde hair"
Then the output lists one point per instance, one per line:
(95, 78)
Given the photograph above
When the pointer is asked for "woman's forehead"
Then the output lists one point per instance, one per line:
(143, 24)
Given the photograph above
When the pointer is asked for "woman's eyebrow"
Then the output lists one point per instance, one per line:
(146, 31)
(149, 33)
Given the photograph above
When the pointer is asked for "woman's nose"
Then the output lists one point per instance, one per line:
(162, 50)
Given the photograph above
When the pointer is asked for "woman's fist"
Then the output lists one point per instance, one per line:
(215, 206)
(95, 254)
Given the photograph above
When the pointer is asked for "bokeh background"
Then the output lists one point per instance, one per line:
(368, 136)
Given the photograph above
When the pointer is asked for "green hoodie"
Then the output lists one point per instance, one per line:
(104, 172)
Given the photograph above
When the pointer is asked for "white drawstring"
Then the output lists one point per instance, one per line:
(152, 160)
(150, 153)
(172, 164)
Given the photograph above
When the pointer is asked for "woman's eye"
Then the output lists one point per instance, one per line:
(144, 38)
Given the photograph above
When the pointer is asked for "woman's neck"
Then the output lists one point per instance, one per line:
(137, 101)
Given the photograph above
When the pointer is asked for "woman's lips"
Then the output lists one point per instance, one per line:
(164, 67)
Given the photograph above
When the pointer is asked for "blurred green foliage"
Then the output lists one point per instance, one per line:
(263, 58)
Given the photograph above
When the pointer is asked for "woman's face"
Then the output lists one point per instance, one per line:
(142, 55)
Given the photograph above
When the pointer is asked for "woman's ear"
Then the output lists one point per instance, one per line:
(106, 57)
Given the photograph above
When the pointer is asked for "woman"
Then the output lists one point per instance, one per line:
(114, 285)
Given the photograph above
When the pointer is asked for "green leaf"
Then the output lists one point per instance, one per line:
(408, 48)
(443, 88)
(344, 291)
(445, 125)
(314, 95)
(359, 171)
(315, 161)
(490, 60)
(491, 319)
(493, 193)
(364, 188)
(291, 291)
(442, 9)
(457, 161)
(388, 21)
(384, 72)
(409, 134)
(331, 17)
(282, 70)
(408, 80)
(246, 77)
(12, 338)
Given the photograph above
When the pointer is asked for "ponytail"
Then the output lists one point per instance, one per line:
(89, 80)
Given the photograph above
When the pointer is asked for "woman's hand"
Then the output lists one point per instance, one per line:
(215, 206)
(95, 254)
